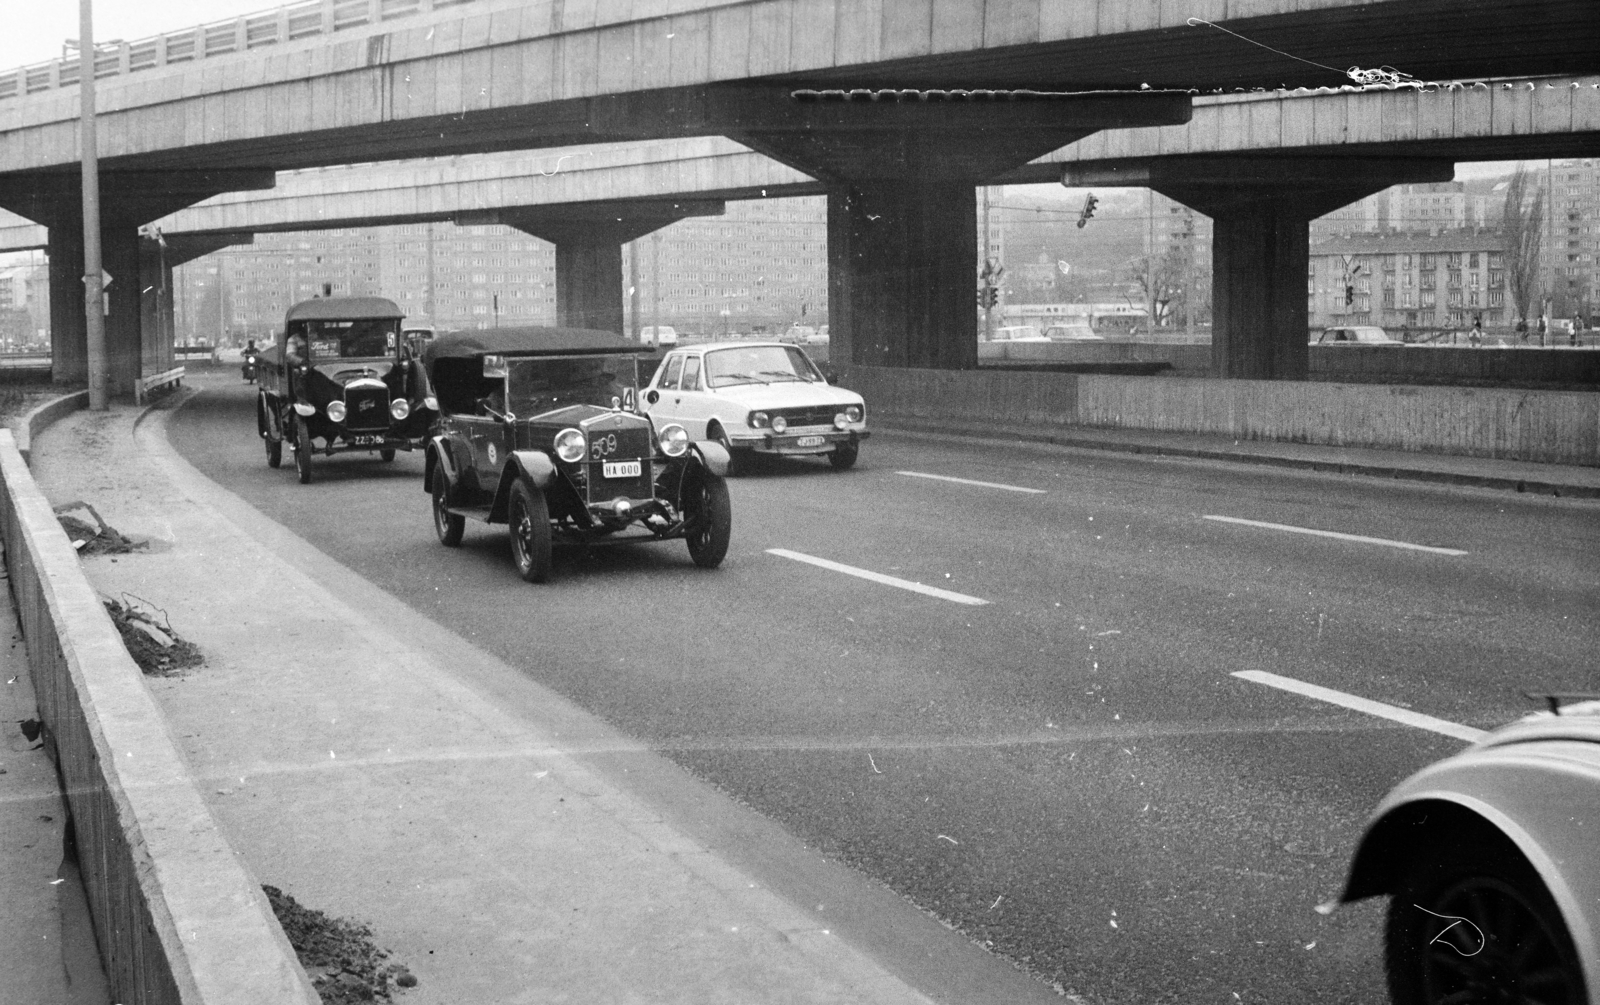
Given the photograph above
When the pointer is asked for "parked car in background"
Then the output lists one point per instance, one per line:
(1355, 335)
(1491, 860)
(341, 374)
(798, 334)
(658, 335)
(1018, 333)
(1072, 333)
(416, 337)
(757, 398)
(818, 337)
(538, 430)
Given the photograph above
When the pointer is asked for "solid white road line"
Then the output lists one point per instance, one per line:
(1335, 534)
(878, 577)
(969, 481)
(1377, 708)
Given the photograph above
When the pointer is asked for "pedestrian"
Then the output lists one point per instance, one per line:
(1476, 336)
(1522, 329)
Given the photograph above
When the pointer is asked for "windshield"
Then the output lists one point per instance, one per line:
(761, 364)
(540, 385)
(331, 340)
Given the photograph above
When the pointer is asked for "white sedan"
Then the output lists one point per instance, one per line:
(757, 397)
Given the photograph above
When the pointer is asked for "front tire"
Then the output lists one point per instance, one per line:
(710, 517)
(386, 454)
(530, 533)
(302, 450)
(1476, 924)
(449, 526)
(844, 455)
(274, 452)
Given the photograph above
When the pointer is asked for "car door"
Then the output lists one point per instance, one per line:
(660, 403)
(693, 403)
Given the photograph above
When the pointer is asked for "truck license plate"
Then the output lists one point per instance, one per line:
(366, 440)
(620, 469)
(810, 441)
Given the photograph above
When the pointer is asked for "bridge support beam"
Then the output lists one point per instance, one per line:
(902, 171)
(128, 199)
(1261, 210)
(158, 256)
(589, 239)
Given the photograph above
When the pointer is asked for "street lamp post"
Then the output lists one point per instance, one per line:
(93, 291)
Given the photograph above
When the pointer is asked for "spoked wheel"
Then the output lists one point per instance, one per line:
(1480, 928)
(449, 526)
(302, 450)
(844, 456)
(386, 454)
(710, 518)
(530, 533)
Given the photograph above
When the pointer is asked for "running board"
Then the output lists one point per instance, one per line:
(479, 513)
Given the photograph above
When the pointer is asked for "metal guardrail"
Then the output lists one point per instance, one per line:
(142, 386)
(306, 19)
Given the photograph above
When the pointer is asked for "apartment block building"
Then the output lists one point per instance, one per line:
(1409, 280)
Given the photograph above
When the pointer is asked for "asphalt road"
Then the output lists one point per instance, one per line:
(1070, 772)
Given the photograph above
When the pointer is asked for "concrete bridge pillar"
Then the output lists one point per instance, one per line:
(128, 199)
(902, 170)
(158, 256)
(1261, 208)
(589, 239)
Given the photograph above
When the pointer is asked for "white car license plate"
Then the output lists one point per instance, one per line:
(620, 469)
(366, 440)
(810, 441)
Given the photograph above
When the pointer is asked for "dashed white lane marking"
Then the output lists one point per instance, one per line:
(969, 481)
(1335, 534)
(878, 577)
(1370, 707)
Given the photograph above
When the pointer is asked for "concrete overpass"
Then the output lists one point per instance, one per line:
(319, 83)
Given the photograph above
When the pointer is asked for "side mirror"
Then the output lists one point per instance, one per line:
(653, 397)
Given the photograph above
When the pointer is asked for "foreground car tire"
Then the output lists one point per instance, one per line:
(1476, 924)
(302, 450)
(530, 533)
(274, 452)
(710, 520)
(386, 454)
(844, 456)
(449, 526)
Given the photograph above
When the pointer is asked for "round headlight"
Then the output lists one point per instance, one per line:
(841, 420)
(399, 408)
(570, 445)
(674, 439)
(336, 411)
(758, 420)
(779, 423)
(853, 413)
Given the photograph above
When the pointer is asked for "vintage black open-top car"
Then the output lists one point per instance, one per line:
(538, 429)
(340, 373)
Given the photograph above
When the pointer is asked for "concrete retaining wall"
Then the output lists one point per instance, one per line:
(1548, 426)
(177, 916)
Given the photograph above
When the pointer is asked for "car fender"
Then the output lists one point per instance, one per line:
(438, 455)
(531, 466)
(713, 456)
(1541, 798)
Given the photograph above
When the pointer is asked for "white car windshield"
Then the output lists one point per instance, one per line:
(760, 364)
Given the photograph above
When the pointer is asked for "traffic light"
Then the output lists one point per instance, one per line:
(988, 296)
(1349, 295)
(1088, 210)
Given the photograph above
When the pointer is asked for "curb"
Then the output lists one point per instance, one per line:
(36, 421)
(1565, 490)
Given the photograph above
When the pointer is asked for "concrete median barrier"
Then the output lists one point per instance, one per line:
(177, 916)
(1553, 427)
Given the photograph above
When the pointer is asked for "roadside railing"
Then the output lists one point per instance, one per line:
(306, 19)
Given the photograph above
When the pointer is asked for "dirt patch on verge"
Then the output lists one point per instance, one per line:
(344, 964)
(99, 538)
(150, 640)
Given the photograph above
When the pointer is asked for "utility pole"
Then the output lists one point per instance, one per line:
(433, 319)
(633, 288)
(93, 290)
(1188, 278)
(655, 286)
(1150, 259)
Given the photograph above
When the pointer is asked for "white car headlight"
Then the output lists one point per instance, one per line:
(399, 408)
(674, 440)
(853, 413)
(841, 420)
(570, 445)
(779, 423)
(758, 420)
(336, 411)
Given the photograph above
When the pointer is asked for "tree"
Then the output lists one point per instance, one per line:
(1522, 227)
(1171, 275)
